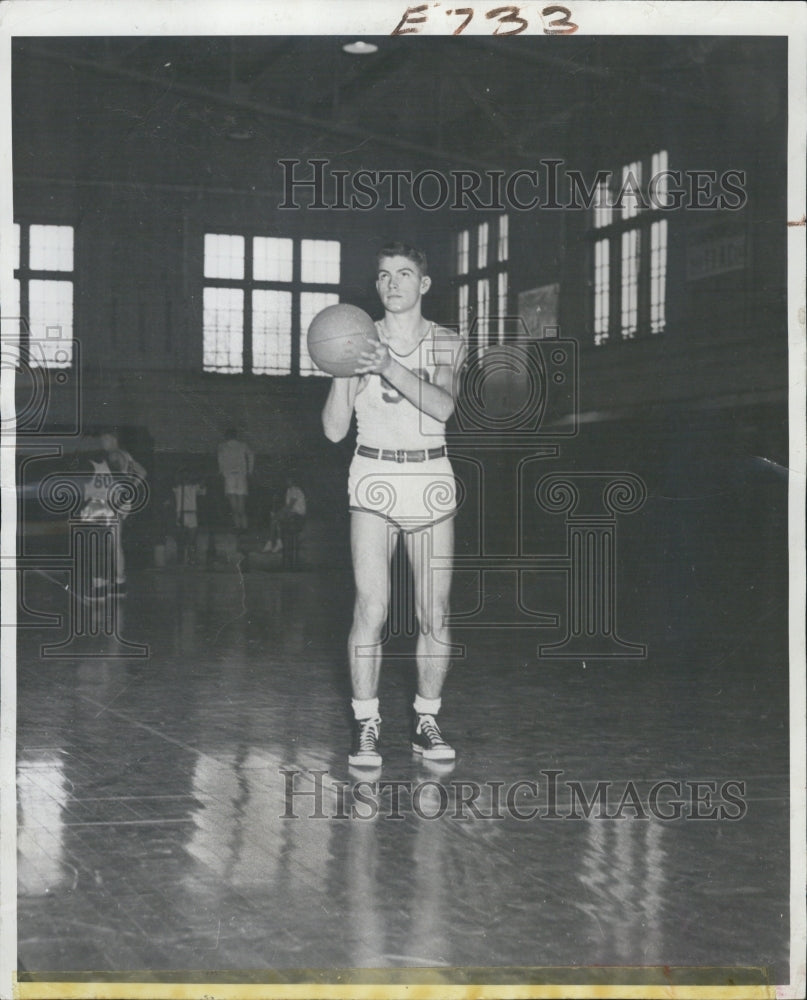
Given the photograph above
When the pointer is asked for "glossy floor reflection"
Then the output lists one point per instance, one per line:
(152, 794)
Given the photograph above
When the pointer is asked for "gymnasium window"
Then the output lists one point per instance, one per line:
(43, 293)
(482, 286)
(260, 295)
(629, 252)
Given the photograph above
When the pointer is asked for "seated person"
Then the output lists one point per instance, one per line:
(287, 521)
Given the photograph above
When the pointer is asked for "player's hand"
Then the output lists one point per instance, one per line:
(376, 360)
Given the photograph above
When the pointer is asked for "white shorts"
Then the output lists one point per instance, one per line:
(235, 484)
(413, 495)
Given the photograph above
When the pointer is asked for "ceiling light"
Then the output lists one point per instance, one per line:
(360, 48)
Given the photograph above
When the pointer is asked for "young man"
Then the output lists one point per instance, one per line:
(119, 459)
(111, 461)
(400, 482)
(236, 462)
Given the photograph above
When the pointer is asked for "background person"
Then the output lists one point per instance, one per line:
(186, 493)
(236, 461)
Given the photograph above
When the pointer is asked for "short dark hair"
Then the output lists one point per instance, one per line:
(398, 249)
(231, 433)
(116, 461)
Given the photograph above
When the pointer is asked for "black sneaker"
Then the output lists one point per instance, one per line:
(364, 751)
(428, 740)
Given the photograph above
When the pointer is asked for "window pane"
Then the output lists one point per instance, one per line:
(310, 304)
(659, 184)
(482, 311)
(223, 311)
(463, 245)
(630, 283)
(602, 291)
(631, 189)
(504, 235)
(603, 212)
(319, 262)
(51, 248)
(16, 246)
(271, 332)
(482, 245)
(502, 290)
(272, 258)
(224, 256)
(51, 319)
(658, 276)
(463, 310)
(10, 312)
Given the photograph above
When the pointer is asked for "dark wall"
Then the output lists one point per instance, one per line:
(142, 174)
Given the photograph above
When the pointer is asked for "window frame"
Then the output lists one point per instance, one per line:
(249, 284)
(611, 226)
(24, 275)
(471, 276)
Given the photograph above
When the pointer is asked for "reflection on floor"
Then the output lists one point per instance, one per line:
(152, 792)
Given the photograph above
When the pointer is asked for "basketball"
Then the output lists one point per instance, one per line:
(337, 336)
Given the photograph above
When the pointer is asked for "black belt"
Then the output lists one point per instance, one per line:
(388, 455)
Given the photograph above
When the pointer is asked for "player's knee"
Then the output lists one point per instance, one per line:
(433, 617)
(370, 612)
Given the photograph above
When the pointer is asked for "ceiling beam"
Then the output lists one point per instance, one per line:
(166, 84)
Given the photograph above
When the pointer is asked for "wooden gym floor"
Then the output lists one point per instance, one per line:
(152, 789)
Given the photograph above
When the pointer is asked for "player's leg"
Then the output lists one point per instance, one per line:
(120, 562)
(430, 553)
(371, 542)
(232, 501)
(277, 523)
(241, 511)
(191, 545)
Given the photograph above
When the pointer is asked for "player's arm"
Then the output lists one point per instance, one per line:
(435, 398)
(338, 409)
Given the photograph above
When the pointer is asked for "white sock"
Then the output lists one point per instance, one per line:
(427, 706)
(364, 708)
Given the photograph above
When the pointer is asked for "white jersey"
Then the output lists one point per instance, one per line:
(235, 458)
(96, 486)
(185, 498)
(385, 418)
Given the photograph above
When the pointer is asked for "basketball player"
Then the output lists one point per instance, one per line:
(186, 492)
(400, 483)
(113, 459)
(97, 481)
(236, 462)
(120, 459)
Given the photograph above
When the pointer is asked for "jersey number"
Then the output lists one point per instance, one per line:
(102, 481)
(391, 395)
